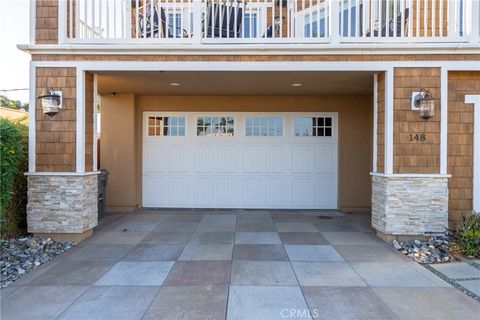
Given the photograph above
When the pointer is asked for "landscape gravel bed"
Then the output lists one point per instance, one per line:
(21, 255)
(434, 250)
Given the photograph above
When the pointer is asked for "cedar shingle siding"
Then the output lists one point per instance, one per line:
(415, 156)
(460, 142)
(46, 22)
(55, 145)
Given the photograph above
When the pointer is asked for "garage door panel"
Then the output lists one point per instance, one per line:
(303, 159)
(254, 159)
(155, 158)
(228, 158)
(177, 193)
(228, 192)
(325, 188)
(325, 158)
(154, 191)
(275, 158)
(276, 193)
(303, 192)
(177, 158)
(254, 192)
(203, 192)
(205, 158)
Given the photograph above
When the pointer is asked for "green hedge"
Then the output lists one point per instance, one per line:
(13, 187)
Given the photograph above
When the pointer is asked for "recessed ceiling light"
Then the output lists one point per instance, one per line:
(174, 84)
(296, 84)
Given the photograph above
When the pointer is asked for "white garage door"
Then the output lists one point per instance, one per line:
(240, 160)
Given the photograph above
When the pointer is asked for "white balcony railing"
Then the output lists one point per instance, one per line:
(268, 21)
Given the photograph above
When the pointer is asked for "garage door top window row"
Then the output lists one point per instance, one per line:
(255, 126)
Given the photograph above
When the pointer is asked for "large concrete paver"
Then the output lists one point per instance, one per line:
(111, 302)
(266, 303)
(263, 273)
(334, 303)
(137, 273)
(391, 274)
(457, 270)
(39, 302)
(189, 303)
(429, 303)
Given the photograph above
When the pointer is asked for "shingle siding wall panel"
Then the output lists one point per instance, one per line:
(460, 142)
(46, 22)
(56, 137)
(415, 156)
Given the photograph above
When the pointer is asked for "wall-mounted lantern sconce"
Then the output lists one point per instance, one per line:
(423, 102)
(51, 101)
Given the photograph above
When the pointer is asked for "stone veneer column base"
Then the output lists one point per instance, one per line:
(75, 237)
(62, 205)
(406, 206)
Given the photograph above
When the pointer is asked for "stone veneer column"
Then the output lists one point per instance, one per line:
(409, 193)
(409, 205)
(62, 206)
(63, 189)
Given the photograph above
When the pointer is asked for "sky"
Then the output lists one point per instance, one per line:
(14, 29)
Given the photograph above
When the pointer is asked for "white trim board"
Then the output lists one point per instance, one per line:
(410, 175)
(375, 122)
(62, 174)
(475, 99)
(32, 135)
(80, 122)
(443, 121)
(152, 46)
(389, 121)
(257, 65)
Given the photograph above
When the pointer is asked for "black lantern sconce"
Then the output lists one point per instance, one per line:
(423, 102)
(51, 101)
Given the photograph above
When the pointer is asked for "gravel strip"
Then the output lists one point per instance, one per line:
(21, 255)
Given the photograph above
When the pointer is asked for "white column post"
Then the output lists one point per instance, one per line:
(32, 137)
(443, 121)
(475, 99)
(197, 21)
(33, 20)
(334, 21)
(95, 122)
(473, 20)
(388, 121)
(80, 137)
(375, 120)
(62, 20)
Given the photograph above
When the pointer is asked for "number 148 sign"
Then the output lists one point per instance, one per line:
(417, 137)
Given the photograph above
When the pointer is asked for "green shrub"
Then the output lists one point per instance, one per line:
(467, 236)
(13, 187)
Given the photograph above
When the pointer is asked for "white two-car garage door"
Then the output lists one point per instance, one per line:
(240, 160)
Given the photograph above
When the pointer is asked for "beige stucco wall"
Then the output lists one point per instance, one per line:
(117, 145)
(121, 149)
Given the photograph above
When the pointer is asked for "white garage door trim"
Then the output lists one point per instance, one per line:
(226, 172)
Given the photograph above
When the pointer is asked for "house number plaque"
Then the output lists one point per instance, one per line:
(417, 137)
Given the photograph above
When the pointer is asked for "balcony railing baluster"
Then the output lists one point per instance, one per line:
(269, 21)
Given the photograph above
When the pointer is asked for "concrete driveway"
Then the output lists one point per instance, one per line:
(234, 264)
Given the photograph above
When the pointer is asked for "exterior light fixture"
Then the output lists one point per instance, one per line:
(423, 102)
(51, 101)
(174, 84)
(296, 84)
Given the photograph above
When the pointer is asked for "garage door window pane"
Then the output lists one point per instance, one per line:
(166, 126)
(264, 126)
(313, 126)
(215, 126)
